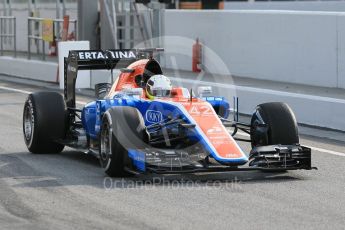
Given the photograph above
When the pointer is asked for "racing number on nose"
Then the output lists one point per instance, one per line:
(201, 110)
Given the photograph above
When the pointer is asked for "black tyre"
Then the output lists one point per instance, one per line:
(123, 128)
(220, 110)
(273, 123)
(44, 122)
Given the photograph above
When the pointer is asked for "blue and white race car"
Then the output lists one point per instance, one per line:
(141, 123)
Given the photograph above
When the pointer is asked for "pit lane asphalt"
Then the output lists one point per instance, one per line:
(70, 190)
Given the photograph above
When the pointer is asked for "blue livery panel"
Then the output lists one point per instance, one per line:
(153, 112)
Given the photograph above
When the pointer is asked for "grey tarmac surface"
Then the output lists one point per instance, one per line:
(70, 190)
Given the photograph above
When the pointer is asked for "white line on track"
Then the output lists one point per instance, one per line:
(313, 148)
(239, 133)
(15, 90)
(28, 92)
(327, 151)
(4, 164)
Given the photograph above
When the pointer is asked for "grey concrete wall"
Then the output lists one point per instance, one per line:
(37, 70)
(107, 40)
(87, 21)
(296, 47)
(336, 6)
(341, 51)
(45, 71)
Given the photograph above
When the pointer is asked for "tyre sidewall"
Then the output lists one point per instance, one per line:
(281, 123)
(49, 116)
(122, 121)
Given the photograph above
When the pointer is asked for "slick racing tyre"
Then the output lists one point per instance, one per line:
(273, 123)
(44, 122)
(220, 110)
(122, 128)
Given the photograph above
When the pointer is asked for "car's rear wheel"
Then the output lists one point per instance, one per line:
(273, 123)
(122, 129)
(44, 122)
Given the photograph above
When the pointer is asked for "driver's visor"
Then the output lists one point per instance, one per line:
(161, 93)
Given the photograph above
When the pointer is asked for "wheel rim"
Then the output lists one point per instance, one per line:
(105, 143)
(255, 124)
(257, 140)
(28, 123)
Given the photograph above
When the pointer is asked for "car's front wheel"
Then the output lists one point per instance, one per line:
(122, 129)
(273, 123)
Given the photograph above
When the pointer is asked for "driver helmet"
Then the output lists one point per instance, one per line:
(158, 86)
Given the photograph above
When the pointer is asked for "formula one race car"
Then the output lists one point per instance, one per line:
(142, 124)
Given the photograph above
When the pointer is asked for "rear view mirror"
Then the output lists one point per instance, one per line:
(204, 91)
(133, 92)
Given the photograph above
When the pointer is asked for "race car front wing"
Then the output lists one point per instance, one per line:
(280, 157)
(265, 158)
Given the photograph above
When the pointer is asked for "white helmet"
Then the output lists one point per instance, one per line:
(158, 86)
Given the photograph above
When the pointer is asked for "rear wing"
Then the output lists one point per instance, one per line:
(98, 59)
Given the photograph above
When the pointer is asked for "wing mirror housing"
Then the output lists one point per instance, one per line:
(204, 91)
(133, 92)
